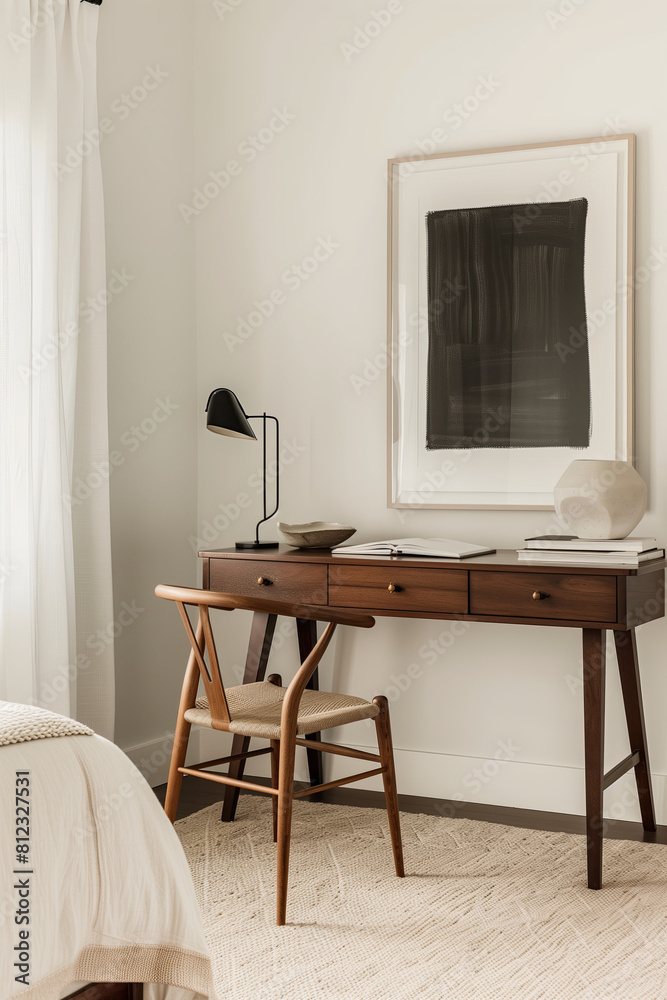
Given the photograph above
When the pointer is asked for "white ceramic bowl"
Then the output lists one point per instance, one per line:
(315, 534)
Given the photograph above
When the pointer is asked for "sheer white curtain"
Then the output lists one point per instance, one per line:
(56, 612)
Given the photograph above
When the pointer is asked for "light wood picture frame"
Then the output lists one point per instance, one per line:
(436, 395)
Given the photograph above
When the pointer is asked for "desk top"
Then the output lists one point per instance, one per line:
(506, 560)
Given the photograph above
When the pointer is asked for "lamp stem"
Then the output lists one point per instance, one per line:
(264, 417)
(263, 473)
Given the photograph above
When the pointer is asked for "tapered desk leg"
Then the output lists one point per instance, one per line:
(628, 666)
(261, 637)
(594, 648)
(307, 633)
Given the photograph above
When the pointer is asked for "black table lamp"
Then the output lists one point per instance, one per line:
(225, 415)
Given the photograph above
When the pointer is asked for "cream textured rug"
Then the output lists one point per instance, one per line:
(486, 912)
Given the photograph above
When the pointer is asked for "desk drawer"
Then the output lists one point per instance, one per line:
(577, 598)
(282, 581)
(429, 590)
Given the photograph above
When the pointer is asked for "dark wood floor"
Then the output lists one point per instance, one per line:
(109, 991)
(198, 793)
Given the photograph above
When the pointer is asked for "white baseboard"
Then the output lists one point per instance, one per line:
(152, 758)
(516, 783)
(494, 781)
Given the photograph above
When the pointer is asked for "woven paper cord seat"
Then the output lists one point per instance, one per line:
(255, 710)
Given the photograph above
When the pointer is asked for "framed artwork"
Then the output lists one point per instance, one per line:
(510, 302)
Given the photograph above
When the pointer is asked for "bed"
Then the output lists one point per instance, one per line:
(95, 885)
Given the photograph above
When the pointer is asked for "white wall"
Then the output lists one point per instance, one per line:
(323, 176)
(147, 162)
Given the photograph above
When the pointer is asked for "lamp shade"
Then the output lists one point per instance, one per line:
(225, 415)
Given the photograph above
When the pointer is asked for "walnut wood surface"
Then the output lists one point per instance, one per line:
(386, 748)
(436, 589)
(614, 597)
(561, 595)
(501, 559)
(594, 657)
(642, 598)
(228, 601)
(306, 582)
(307, 636)
(628, 667)
(257, 658)
(498, 588)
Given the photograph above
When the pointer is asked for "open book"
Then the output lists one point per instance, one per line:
(439, 548)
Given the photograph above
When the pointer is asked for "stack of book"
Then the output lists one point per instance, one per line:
(590, 551)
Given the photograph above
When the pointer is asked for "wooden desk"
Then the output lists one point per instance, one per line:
(494, 588)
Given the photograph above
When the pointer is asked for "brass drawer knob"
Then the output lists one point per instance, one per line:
(539, 595)
(394, 588)
(263, 581)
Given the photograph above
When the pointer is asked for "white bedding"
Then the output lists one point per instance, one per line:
(109, 890)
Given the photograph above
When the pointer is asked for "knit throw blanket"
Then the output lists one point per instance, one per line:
(21, 723)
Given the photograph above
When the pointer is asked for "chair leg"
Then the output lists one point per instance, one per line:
(285, 798)
(178, 754)
(259, 648)
(385, 745)
(275, 764)
(182, 734)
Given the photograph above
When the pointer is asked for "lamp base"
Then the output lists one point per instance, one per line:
(257, 545)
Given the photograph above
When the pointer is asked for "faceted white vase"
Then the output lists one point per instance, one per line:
(597, 499)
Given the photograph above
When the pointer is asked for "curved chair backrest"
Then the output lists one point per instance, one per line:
(202, 640)
(229, 602)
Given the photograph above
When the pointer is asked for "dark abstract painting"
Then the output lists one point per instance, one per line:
(505, 295)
